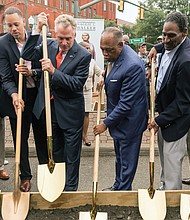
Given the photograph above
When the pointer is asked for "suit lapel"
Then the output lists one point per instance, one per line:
(13, 46)
(169, 70)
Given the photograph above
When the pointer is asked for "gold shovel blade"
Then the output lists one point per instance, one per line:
(51, 185)
(99, 216)
(8, 210)
(154, 208)
(185, 207)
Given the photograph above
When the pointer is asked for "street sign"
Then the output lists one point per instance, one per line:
(136, 40)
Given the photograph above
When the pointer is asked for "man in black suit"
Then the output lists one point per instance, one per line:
(10, 46)
(173, 99)
(66, 84)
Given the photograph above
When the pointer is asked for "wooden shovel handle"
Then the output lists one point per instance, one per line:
(97, 141)
(152, 107)
(18, 129)
(46, 85)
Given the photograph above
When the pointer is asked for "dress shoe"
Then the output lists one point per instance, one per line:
(4, 175)
(88, 144)
(25, 185)
(6, 162)
(111, 188)
(186, 181)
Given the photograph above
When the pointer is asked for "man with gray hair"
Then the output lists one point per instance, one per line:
(68, 65)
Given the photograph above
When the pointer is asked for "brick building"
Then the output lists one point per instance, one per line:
(31, 8)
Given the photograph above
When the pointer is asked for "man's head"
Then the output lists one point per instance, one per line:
(85, 37)
(126, 39)
(159, 39)
(142, 49)
(111, 43)
(15, 22)
(65, 31)
(174, 30)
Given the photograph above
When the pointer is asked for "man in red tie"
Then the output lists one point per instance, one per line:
(69, 71)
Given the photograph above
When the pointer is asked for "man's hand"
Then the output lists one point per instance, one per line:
(152, 55)
(17, 103)
(98, 129)
(47, 65)
(41, 20)
(23, 69)
(154, 126)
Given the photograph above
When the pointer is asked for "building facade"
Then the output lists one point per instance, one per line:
(31, 8)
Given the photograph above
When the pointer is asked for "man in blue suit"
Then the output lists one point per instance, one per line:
(127, 114)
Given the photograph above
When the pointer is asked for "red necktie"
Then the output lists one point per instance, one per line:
(59, 58)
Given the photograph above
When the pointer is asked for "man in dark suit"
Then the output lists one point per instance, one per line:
(127, 113)
(10, 46)
(66, 82)
(173, 99)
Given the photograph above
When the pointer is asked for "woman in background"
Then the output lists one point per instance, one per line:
(94, 69)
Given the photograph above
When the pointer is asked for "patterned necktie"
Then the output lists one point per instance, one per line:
(109, 67)
(59, 58)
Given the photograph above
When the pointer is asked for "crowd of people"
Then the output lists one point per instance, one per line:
(72, 67)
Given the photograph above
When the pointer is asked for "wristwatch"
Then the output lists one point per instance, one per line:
(34, 72)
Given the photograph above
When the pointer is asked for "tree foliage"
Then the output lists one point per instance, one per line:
(154, 16)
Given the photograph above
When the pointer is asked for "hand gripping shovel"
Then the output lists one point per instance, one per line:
(152, 204)
(93, 214)
(51, 176)
(185, 207)
(16, 205)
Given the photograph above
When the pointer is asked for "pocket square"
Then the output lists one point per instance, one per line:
(113, 80)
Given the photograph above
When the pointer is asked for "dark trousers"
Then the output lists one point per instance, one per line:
(67, 145)
(127, 154)
(39, 131)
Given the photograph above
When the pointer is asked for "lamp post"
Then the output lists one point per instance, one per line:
(31, 22)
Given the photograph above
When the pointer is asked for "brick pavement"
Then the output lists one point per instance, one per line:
(105, 139)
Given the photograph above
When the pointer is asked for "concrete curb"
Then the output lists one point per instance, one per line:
(106, 150)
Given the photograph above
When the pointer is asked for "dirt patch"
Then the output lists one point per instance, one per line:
(114, 213)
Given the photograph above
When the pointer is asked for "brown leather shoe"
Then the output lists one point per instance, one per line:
(4, 175)
(25, 185)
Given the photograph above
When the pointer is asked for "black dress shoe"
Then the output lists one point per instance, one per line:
(88, 144)
(186, 181)
(109, 189)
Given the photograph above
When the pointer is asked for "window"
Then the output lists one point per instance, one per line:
(94, 12)
(73, 7)
(45, 2)
(67, 5)
(61, 4)
(90, 13)
(84, 12)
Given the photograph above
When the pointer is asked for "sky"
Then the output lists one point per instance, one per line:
(130, 12)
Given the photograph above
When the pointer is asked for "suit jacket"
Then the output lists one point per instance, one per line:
(125, 88)
(66, 83)
(173, 98)
(9, 56)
